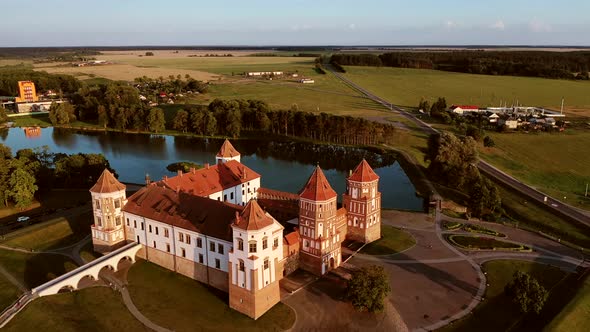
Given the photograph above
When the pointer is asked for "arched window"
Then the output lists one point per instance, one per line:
(240, 244)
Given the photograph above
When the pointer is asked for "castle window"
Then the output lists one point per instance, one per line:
(183, 252)
(225, 198)
(231, 196)
(156, 230)
(127, 221)
(220, 248)
(97, 203)
(117, 203)
(264, 243)
(217, 263)
(252, 246)
(118, 220)
(180, 237)
(99, 221)
(243, 193)
(188, 239)
(212, 246)
(135, 223)
(167, 247)
(276, 242)
(150, 228)
(241, 265)
(154, 244)
(166, 234)
(199, 242)
(201, 258)
(266, 263)
(142, 226)
(240, 244)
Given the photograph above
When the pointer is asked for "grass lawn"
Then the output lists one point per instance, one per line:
(88, 254)
(476, 242)
(90, 309)
(8, 293)
(406, 87)
(183, 304)
(36, 120)
(392, 241)
(33, 270)
(576, 315)
(482, 230)
(497, 312)
(52, 234)
(451, 225)
(557, 164)
(529, 215)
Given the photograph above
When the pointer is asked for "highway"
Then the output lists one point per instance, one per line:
(551, 203)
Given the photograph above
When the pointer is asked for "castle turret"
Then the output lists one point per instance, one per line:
(108, 198)
(362, 200)
(320, 236)
(254, 261)
(226, 153)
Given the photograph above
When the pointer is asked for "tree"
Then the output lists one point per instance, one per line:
(3, 115)
(155, 120)
(368, 288)
(184, 166)
(526, 292)
(22, 187)
(180, 121)
(488, 142)
(103, 117)
(61, 114)
(149, 53)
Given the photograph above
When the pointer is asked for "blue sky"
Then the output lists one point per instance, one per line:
(293, 22)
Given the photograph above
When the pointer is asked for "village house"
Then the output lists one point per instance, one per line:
(464, 109)
(208, 225)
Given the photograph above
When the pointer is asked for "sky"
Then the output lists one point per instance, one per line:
(293, 22)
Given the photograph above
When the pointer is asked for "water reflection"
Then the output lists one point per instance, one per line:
(284, 165)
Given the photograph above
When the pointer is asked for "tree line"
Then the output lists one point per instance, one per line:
(31, 170)
(564, 65)
(231, 117)
(10, 75)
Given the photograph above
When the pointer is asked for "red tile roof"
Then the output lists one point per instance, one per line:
(206, 181)
(227, 150)
(198, 214)
(253, 217)
(363, 173)
(107, 183)
(292, 238)
(317, 187)
(466, 107)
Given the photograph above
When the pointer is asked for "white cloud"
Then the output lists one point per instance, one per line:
(498, 25)
(536, 25)
(352, 26)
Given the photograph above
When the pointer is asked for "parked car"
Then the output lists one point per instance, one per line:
(22, 218)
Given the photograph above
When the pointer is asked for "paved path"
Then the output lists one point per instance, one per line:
(12, 279)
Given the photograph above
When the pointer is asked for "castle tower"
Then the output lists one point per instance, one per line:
(254, 268)
(362, 201)
(108, 198)
(319, 233)
(227, 153)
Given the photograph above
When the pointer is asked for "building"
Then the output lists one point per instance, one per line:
(464, 109)
(209, 225)
(306, 81)
(26, 92)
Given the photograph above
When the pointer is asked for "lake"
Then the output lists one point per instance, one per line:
(283, 165)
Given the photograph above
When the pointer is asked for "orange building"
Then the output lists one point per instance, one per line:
(26, 92)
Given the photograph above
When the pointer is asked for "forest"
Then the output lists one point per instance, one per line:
(563, 65)
(10, 75)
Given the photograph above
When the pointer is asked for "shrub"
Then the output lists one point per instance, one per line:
(488, 142)
(526, 292)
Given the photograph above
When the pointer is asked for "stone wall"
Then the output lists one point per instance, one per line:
(254, 303)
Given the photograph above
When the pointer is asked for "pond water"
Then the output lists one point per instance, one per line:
(283, 166)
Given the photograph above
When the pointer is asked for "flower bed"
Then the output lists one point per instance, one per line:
(482, 243)
(451, 225)
(482, 230)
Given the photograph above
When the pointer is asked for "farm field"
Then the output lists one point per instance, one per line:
(406, 87)
(557, 163)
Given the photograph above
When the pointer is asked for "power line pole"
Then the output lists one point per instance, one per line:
(586, 194)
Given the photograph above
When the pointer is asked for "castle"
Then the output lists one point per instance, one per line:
(208, 225)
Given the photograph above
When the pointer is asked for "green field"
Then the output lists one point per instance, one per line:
(391, 242)
(497, 312)
(576, 315)
(183, 304)
(53, 234)
(33, 270)
(406, 87)
(92, 309)
(8, 293)
(557, 164)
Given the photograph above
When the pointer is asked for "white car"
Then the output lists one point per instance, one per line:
(22, 218)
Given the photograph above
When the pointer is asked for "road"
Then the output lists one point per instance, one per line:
(551, 203)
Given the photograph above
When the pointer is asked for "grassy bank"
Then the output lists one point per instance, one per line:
(8, 293)
(497, 312)
(576, 315)
(33, 270)
(91, 309)
(194, 304)
(391, 242)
